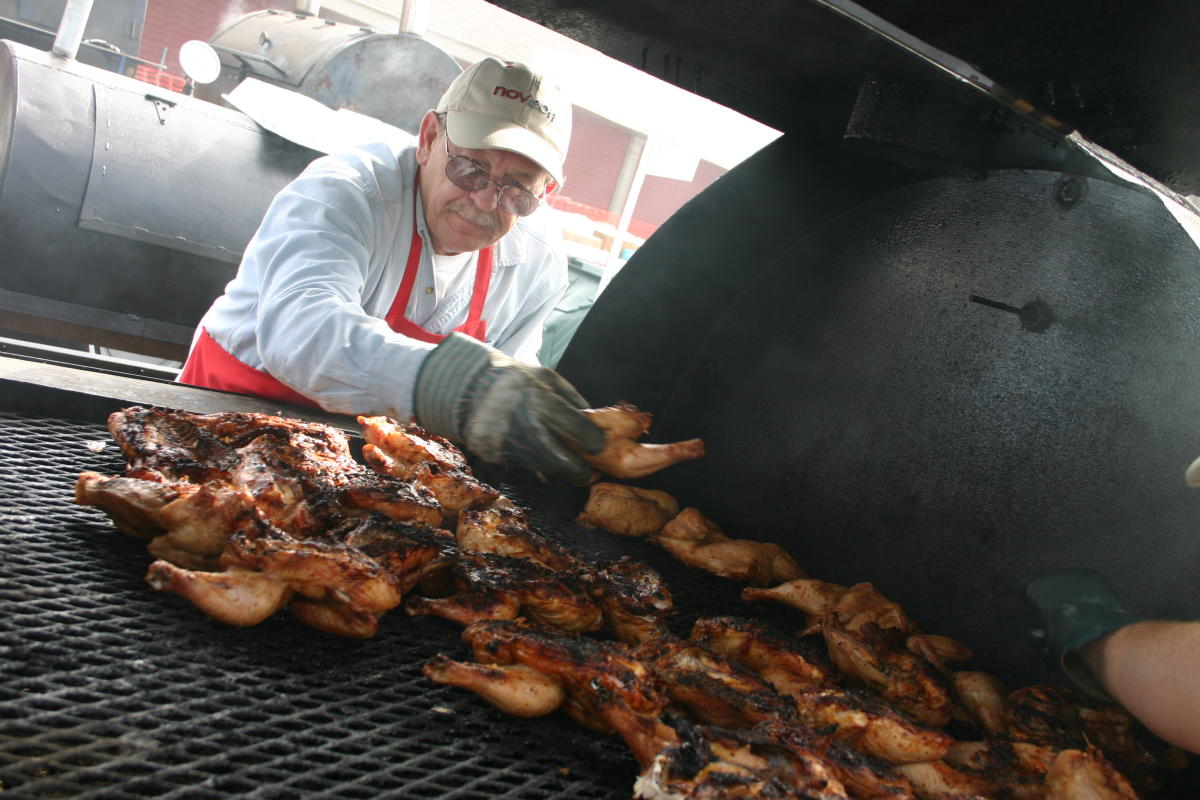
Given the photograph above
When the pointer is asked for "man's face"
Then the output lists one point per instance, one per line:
(459, 220)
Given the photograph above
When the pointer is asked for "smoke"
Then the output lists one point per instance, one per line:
(236, 10)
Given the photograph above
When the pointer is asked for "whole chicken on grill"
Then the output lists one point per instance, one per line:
(633, 598)
(410, 452)
(213, 468)
(700, 543)
(1064, 719)
(627, 510)
(866, 636)
(864, 777)
(492, 587)
(184, 523)
(177, 445)
(506, 532)
(330, 586)
(856, 718)
(714, 763)
(711, 688)
(606, 688)
(622, 456)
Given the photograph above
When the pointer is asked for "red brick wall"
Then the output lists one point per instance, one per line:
(170, 23)
(662, 197)
(594, 159)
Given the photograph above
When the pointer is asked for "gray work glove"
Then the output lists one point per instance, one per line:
(505, 411)
(1077, 606)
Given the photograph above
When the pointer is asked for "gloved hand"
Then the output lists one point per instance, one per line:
(505, 411)
(1077, 606)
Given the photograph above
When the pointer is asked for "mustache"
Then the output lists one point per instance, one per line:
(474, 214)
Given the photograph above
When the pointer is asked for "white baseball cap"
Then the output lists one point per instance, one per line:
(507, 106)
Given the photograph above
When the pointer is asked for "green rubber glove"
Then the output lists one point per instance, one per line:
(503, 410)
(1077, 606)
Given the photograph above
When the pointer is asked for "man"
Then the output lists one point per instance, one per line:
(414, 281)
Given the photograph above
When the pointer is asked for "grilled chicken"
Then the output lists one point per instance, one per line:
(175, 445)
(864, 777)
(236, 596)
(1064, 719)
(406, 551)
(506, 532)
(1020, 768)
(633, 598)
(455, 490)
(711, 762)
(982, 695)
(1086, 775)
(871, 726)
(852, 608)
(857, 719)
(700, 543)
(493, 587)
(899, 677)
(299, 475)
(937, 780)
(607, 689)
(714, 690)
(340, 584)
(187, 524)
(781, 660)
(513, 688)
(622, 456)
(411, 444)
(627, 510)
(866, 636)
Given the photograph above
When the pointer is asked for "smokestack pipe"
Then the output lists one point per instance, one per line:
(414, 18)
(70, 28)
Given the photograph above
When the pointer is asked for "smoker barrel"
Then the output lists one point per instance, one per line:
(150, 194)
(393, 77)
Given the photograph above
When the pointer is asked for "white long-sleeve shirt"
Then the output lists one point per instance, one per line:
(322, 271)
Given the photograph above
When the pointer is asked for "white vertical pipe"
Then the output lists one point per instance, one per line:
(312, 7)
(414, 18)
(70, 28)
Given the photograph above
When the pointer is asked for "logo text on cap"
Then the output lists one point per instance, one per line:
(527, 99)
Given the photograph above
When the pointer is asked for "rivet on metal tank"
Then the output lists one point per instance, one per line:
(1069, 190)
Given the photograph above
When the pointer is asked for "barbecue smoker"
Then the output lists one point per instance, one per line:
(933, 337)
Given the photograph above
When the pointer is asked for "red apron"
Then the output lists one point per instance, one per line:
(211, 366)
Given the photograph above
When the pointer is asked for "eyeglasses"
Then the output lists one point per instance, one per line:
(468, 174)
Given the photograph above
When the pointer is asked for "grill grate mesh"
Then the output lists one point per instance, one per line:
(109, 689)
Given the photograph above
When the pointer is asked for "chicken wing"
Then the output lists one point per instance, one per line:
(513, 688)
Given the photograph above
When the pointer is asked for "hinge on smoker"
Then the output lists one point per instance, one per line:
(160, 105)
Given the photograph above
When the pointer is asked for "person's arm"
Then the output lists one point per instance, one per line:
(1153, 669)
(1112, 654)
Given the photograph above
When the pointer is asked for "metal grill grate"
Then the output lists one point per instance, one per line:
(109, 689)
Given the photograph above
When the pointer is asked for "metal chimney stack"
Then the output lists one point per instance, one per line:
(70, 28)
